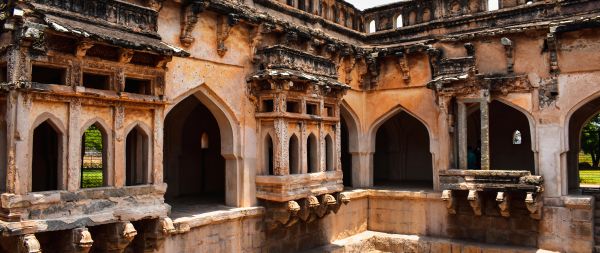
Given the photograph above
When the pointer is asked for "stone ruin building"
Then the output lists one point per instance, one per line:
(296, 125)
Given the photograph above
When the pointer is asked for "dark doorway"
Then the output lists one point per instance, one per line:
(402, 156)
(346, 157)
(136, 158)
(45, 158)
(193, 164)
(312, 155)
(510, 137)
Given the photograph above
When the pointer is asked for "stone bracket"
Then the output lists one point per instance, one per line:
(29, 244)
(508, 50)
(503, 200)
(82, 47)
(475, 202)
(189, 19)
(534, 205)
(403, 67)
(125, 55)
(303, 210)
(448, 196)
(224, 26)
(82, 240)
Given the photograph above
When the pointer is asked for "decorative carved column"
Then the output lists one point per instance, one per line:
(485, 133)
(29, 244)
(462, 136)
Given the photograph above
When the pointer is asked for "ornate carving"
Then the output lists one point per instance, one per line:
(82, 48)
(475, 202)
(122, 14)
(450, 201)
(503, 200)
(156, 5)
(189, 19)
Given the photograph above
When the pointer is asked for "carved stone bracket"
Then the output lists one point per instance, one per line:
(82, 240)
(189, 19)
(155, 233)
(224, 26)
(327, 201)
(503, 200)
(156, 5)
(303, 210)
(29, 244)
(82, 48)
(508, 50)
(125, 55)
(450, 201)
(403, 66)
(534, 205)
(475, 202)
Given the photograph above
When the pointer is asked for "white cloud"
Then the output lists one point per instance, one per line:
(364, 4)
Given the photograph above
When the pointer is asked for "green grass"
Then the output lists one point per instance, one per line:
(91, 178)
(589, 176)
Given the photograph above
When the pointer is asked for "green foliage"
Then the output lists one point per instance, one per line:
(589, 176)
(590, 140)
(93, 139)
(91, 178)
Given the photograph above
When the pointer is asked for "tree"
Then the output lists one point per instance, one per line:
(590, 140)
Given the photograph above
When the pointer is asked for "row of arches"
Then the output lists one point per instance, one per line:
(295, 154)
(195, 164)
(425, 14)
(48, 147)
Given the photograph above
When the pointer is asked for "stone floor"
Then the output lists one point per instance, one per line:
(194, 205)
(370, 241)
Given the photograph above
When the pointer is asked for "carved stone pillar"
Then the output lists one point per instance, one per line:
(462, 136)
(485, 134)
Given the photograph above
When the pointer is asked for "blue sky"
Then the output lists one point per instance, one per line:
(363, 4)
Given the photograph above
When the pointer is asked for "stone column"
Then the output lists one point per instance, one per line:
(116, 176)
(156, 147)
(462, 136)
(74, 146)
(485, 134)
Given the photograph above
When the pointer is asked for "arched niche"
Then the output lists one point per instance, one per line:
(402, 153)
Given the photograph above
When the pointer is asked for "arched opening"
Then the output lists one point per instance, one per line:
(194, 168)
(45, 158)
(399, 22)
(269, 155)
(94, 157)
(412, 18)
(426, 15)
(372, 27)
(294, 155)
(302, 5)
(136, 158)
(493, 5)
(346, 156)
(325, 11)
(505, 124)
(312, 154)
(329, 154)
(583, 157)
(402, 156)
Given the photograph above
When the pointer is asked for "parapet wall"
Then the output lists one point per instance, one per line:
(402, 216)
